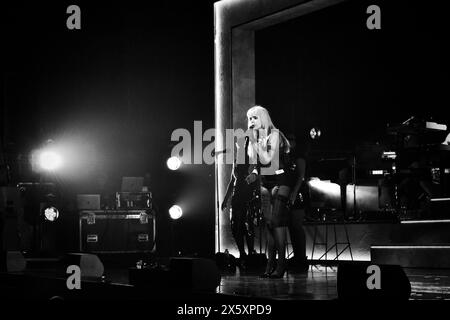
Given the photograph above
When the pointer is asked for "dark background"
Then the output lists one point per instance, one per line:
(116, 89)
(113, 91)
(328, 69)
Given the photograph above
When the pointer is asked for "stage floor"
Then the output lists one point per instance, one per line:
(319, 283)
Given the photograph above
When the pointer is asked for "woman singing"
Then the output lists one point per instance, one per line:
(269, 149)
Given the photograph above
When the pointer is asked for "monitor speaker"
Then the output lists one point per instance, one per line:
(197, 274)
(90, 264)
(12, 261)
(368, 281)
(187, 274)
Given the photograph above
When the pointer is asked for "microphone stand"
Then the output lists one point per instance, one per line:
(255, 206)
(258, 192)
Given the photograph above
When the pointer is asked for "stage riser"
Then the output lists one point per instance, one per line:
(412, 257)
(361, 237)
(422, 233)
(364, 235)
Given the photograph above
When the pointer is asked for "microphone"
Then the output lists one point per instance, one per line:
(215, 153)
(247, 139)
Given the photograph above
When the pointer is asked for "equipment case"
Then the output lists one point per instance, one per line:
(116, 231)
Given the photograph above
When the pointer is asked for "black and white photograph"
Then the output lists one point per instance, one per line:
(225, 158)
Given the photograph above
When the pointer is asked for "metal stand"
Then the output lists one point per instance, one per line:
(346, 244)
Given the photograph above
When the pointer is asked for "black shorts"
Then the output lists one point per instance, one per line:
(269, 182)
(280, 213)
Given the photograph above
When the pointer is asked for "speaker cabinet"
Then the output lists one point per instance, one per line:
(368, 281)
(188, 274)
(12, 261)
(90, 264)
(195, 273)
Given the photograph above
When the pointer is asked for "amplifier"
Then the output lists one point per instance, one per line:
(116, 231)
(133, 200)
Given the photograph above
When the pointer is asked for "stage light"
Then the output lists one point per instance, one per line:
(315, 133)
(173, 163)
(389, 155)
(50, 160)
(51, 214)
(325, 186)
(324, 193)
(175, 212)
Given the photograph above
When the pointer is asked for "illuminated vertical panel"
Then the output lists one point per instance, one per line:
(234, 24)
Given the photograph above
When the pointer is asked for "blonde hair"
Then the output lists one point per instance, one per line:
(267, 125)
(263, 114)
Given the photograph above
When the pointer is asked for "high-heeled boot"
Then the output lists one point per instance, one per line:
(270, 268)
(279, 271)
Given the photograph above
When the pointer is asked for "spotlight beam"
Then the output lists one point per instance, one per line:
(175, 212)
(50, 160)
(173, 163)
